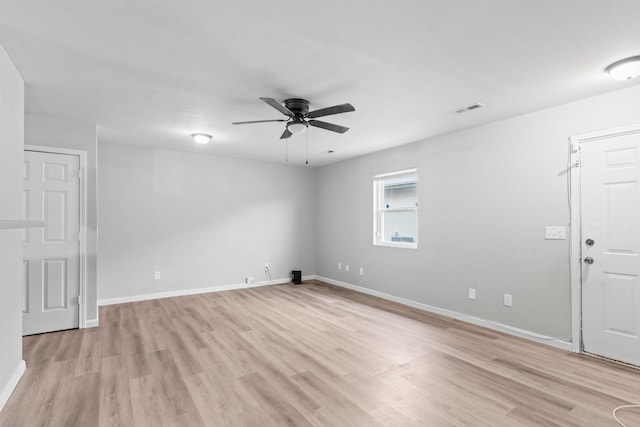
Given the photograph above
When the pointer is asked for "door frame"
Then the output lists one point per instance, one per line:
(82, 274)
(575, 245)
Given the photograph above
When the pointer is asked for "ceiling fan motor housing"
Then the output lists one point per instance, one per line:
(298, 106)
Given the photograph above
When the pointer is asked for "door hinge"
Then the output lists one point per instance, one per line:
(79, 237)
(79, 172)
(575, 146)
(576, 164)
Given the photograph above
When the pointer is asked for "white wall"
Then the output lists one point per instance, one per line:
(77, 135)
(485, 195)
(11, 176)
(202, 221)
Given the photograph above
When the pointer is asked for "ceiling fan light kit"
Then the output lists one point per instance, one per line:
(297, 127)
(624, 69)
(300, 118)
(201, 138)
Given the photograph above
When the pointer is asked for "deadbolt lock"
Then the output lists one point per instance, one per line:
(588, 260)
(589, 242)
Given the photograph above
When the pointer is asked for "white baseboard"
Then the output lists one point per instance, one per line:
(13, 382)
(184, 292)
(533, 336)
(93, 323)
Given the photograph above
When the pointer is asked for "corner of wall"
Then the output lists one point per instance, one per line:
(5, 394)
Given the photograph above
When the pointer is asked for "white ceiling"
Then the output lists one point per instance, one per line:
(152, 72)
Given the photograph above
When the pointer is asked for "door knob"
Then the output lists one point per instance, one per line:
(588, 260)
(589, 242)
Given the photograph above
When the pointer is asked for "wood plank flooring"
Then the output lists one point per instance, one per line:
(306, 355)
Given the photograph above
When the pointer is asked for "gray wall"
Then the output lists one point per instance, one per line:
(77, 135)
(485, 195)
(202, 221)
(11, 176)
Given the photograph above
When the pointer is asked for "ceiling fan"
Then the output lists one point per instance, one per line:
(300, 117)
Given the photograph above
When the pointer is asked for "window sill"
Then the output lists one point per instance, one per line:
(402, 245)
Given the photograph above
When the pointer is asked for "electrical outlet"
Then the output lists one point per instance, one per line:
(555, 232)
(346, 267)
(362, 271)
(339, 266)
(508, 300)
(472, 293)
(249, 280)
(156, 275)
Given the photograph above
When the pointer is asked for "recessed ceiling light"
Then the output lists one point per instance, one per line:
(624, 69)
(201, 138)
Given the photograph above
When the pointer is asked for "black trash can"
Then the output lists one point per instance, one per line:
(296, 277)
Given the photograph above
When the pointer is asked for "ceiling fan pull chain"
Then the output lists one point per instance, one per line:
(286, 151)
(307, 155)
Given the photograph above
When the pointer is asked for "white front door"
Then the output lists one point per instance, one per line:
(610, 239)
(51, 265)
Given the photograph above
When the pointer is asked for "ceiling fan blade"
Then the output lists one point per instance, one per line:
(328, 126)
(336, 109)
(275, 104)
(258, 121)
(286, 134)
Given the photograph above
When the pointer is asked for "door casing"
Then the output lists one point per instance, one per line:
(82, 312)
(576, 222)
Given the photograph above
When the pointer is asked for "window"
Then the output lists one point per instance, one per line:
(395, 209)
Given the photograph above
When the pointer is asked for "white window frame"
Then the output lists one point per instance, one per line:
(379, 209)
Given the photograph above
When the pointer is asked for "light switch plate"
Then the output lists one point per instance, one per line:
(508, 300)
(472, 293)
(555, 232)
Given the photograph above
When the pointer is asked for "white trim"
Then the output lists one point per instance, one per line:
(532, 336)
(13, 382)
(606, 133)
(404, 245)
(397, 174)
(82, 297)
(379, 209)
(576, 222)
(91, 323)
(575, 228)
(184, 292)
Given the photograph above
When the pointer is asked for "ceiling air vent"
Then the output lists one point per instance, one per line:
(470, 108)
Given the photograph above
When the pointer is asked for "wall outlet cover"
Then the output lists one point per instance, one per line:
(472, 293)
(555, 232)
(508, 300)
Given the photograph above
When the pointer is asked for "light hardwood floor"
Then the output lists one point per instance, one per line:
(305, 355)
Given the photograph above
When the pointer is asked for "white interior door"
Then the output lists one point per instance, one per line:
(51, 265)
(610, 194)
